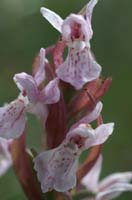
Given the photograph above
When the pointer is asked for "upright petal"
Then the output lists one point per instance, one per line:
(123, 177)
(101, 134)
(54, 19)
(56, 168)
(40, 74)
(90, 117)
(12, 119)
(51, 93)
(90, 8)
(114, 191)
(26, 83)
(91, 180)
(5, 156)
(79, 68)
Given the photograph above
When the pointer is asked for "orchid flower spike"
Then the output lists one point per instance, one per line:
(80, 66)
(56, 168)
(31, 99)
(111, 186)
(5, 156)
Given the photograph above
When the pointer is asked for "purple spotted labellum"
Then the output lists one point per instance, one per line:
(56, 168)
(111, 186)
(13, 119)
(80, 66)
(31, 99)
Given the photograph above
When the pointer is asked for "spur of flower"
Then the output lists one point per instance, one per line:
(32, 99)
(80, 65)
(56, 168)
(5, 156)
(111, 186)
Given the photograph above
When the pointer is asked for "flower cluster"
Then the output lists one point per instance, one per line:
(57, 167)
(67, 117)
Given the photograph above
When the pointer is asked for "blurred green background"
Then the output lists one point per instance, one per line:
(23, 31)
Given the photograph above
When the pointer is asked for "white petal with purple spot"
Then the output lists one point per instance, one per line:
(79, 68)
(12, 119)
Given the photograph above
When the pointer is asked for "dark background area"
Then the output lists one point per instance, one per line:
(23, 31)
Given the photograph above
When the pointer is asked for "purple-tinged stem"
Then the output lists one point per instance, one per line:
(56, 124)
(23, 169)
(58, 53)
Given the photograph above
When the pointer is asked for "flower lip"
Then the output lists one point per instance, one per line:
(12, 119)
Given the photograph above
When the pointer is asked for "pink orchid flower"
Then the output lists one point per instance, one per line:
(111, 186)
(80, 66)
(5, 156)
(31, 99)
(56, 168)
